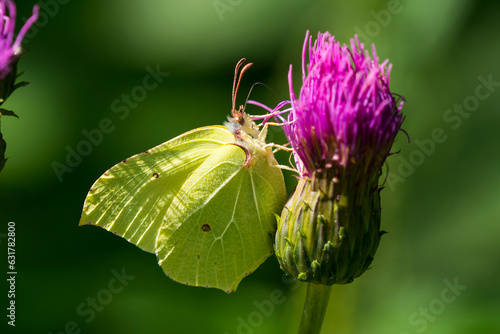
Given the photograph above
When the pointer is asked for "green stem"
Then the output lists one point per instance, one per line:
(315, 306)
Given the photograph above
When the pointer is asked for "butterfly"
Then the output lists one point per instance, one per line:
(204, 202)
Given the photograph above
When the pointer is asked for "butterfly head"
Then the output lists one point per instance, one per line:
(239, 121)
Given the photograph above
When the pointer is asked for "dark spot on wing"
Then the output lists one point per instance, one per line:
(156, 175)
(124, 160)
(147, 151)
(205, 228)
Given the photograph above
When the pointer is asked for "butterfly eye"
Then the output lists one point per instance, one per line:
(238, 116)
(239, 119)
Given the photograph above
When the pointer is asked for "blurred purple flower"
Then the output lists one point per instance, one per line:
(10, 49)
(10, 52)
(345, 114)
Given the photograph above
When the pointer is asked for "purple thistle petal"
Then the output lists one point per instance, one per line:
(11, 51)
(345, 113)
(26, 27)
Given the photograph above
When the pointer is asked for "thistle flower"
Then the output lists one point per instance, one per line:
(341, 128)
(10, 52)
(10, 48)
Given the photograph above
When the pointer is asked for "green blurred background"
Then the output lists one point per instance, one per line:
(440, 207)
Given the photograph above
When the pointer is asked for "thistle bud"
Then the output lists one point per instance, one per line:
(329, 230)
(341, 129)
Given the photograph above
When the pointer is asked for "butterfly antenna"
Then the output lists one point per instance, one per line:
(233, 97)
(238, 114)
(243, 70)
